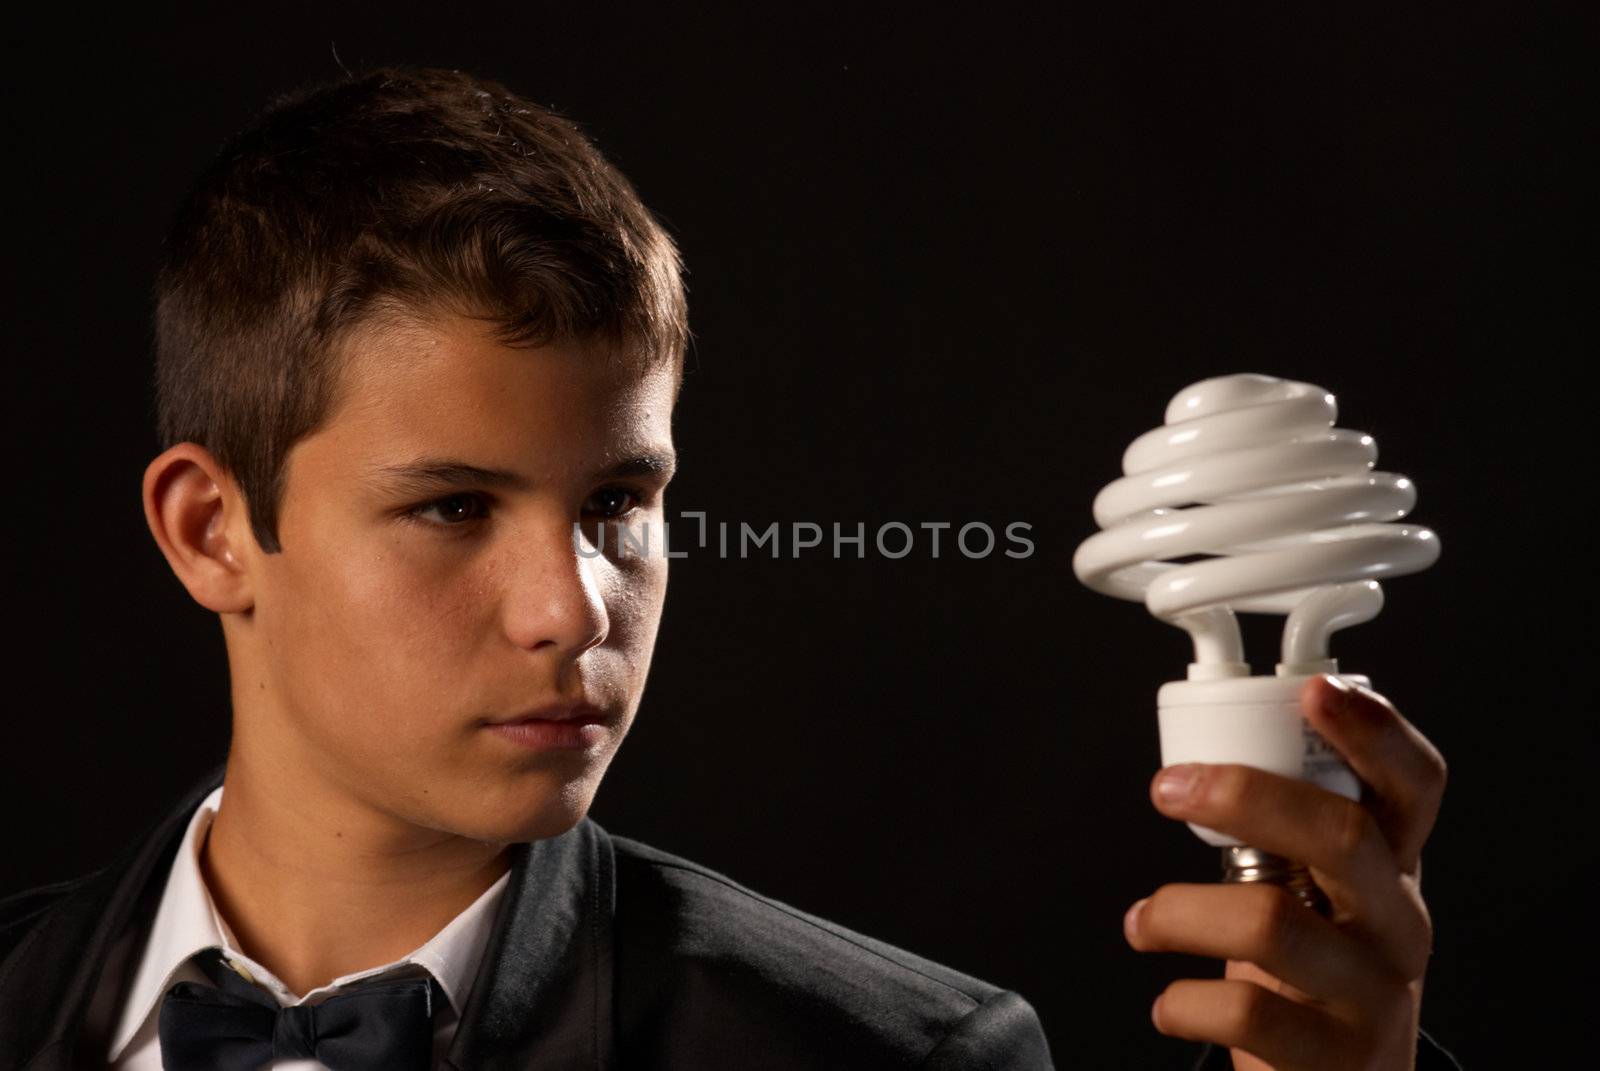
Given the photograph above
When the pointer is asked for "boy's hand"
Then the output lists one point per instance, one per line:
(1300, 990)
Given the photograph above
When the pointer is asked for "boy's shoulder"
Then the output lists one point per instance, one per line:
(707, 965)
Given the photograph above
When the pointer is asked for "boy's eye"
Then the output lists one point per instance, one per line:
(453, 509)
(610, 502)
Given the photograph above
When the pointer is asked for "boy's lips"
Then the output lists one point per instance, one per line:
(563, 726)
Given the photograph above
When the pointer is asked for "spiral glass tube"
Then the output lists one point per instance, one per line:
(1250, 469)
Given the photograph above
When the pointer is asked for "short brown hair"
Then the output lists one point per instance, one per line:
(401, 191)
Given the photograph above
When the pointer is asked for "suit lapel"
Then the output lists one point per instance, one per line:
(44, 994)
(542, 996)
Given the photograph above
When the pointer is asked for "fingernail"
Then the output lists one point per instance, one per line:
(1176, 782)
(1343, 697)
(1130, 921)
(1155, 1013)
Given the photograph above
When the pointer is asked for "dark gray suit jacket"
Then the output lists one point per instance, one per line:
(605, 953)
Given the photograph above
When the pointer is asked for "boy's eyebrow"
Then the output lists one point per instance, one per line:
(663, 463)
(427, 474)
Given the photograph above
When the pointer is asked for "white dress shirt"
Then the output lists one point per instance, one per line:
(187, 922)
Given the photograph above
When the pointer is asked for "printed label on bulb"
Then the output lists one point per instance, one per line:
(1317, 749)
(1322, 765)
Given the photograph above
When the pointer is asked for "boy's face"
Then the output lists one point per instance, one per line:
(403, 612)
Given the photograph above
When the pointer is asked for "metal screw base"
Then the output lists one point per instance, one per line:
(1245, 864)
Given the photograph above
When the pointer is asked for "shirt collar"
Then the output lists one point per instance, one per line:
(187, 922)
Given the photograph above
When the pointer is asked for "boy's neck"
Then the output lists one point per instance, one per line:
(316, 885)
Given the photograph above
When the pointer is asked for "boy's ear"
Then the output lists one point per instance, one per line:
(198, 517)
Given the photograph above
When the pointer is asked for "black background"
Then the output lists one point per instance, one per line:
(941, 269)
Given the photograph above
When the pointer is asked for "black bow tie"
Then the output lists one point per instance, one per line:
(238, 1026)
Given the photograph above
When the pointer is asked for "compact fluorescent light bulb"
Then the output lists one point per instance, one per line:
(1285, 515)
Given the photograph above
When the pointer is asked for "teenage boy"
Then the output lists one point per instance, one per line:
(418, 346)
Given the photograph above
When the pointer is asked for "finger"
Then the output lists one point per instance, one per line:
(1390, 1027)
(1404, 770)
(1264, 925)
(1243, 1015)
(1337, 838)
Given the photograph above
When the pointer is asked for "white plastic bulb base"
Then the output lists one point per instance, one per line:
(1253, 721)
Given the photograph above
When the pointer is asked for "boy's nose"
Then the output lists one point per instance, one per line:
(554, 599)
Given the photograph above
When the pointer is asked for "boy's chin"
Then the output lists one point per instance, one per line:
(535, 818)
